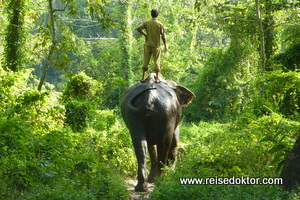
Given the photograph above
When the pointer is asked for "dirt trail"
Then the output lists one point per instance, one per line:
(138, 195)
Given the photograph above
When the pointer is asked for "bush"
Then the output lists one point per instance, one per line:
(42, 159)
(76, 114)
(277, 134)
(281, 93)
(62, 164)
(171, 189)
(100, 184)
(227, 150)
(81, 87)
(80, 97)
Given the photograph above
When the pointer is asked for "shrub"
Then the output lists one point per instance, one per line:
(277, 134)
(80, 97)
(281, 93)
(226, 150)
(41, 159)
(100, 184)
(76, 114)
(80, 87)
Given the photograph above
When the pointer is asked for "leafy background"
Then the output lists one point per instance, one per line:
(65, 65)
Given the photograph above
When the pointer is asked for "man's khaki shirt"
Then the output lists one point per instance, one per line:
(154, 29)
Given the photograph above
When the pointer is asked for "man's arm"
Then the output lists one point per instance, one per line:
(163, 37)
(140, 30)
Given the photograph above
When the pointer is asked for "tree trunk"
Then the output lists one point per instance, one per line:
(269, 34)
(262, 45)
(15, 36)
(52, 47)
(125, 37)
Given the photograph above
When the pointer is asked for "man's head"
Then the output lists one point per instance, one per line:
(154, 13)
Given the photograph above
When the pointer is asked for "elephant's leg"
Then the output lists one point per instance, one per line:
(154, 163)
(172, 156)
(163, 148)
(140, 147)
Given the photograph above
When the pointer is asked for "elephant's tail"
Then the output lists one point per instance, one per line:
(141, 109)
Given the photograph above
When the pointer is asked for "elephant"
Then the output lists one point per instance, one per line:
(151, 111)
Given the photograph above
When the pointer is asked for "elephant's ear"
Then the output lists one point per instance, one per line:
(184, 95)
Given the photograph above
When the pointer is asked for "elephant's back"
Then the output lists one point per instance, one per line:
(135, 90)
(157, 97)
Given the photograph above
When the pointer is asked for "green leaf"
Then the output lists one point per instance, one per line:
(266, 139)
(277, 148)
(279, 166)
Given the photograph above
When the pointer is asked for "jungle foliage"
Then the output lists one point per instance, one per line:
(65, 65)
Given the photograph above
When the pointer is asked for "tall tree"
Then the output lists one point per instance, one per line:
(14, 52)
(262, 44)
(269, 33)
(125, 37)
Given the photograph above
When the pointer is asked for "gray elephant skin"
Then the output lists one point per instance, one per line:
(152, 112)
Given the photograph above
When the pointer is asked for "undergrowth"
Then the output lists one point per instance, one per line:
(43, 157)
(49, 150)
(230, 150)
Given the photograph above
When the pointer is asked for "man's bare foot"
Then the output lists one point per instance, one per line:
(156, 79)
(143, 78)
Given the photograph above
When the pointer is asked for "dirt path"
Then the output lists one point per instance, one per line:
(138, 195)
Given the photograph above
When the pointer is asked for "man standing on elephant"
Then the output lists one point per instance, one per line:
(154, 29)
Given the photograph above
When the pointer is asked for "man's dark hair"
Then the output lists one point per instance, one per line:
(154, 13)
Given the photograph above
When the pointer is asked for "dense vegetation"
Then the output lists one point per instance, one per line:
(66, 63)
